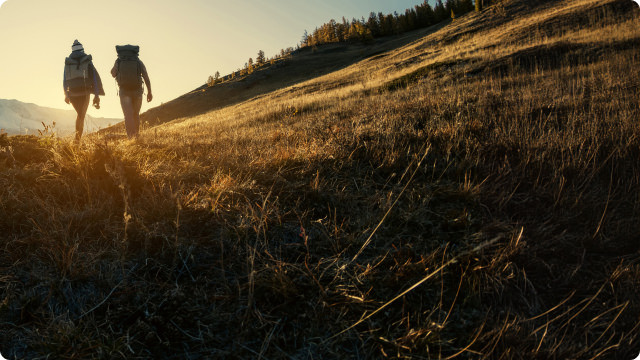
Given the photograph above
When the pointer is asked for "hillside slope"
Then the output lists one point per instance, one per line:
(472, 192)
(302, 65)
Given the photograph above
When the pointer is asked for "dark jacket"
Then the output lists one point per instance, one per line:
(94, 87)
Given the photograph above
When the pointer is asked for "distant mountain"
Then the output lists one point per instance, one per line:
(19, 118)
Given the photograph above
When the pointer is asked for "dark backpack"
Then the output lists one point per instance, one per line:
(129, 70)
(76, 74)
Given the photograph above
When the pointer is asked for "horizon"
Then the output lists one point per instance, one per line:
(223, 35)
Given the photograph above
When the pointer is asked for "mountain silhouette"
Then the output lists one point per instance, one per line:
(17, 117)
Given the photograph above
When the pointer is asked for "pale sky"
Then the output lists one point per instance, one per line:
(181, 42)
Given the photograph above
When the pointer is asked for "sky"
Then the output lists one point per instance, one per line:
(181, 42)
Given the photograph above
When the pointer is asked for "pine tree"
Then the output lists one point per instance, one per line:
(464, 6)
(210, 81)
(440, 11)
(216, 77)
(411, 19)
(428, 14)
(250, 66)
(478, 5)
(260, 59)
(397, 27)
(343, 30)
(373, 24)
(388, 25)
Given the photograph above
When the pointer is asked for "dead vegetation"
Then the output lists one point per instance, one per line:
(408, 206)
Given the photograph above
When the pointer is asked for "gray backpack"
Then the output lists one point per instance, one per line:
(76, 74)
(129, 70)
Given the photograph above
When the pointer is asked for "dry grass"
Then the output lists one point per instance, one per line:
(473, 194)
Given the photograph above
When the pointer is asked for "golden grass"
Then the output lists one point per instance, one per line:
(473, 194)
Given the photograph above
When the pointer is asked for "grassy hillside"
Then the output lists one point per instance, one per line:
(305, 64)
(470, 193)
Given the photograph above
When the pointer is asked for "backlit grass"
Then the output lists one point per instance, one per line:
(473, 194)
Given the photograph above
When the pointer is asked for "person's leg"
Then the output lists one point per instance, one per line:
(81, 105)
(137, 104)
(126, 102)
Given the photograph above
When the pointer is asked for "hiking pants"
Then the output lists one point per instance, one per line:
(80, 104)
(131, 103)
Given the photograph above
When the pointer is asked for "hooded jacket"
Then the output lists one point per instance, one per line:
(94, 87)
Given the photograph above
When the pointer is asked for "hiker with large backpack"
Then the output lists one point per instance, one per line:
(81, 79)
(129, 72)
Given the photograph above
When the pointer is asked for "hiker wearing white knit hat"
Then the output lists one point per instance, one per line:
(81, 79)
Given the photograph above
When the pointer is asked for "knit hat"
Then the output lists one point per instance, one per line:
(77, 46)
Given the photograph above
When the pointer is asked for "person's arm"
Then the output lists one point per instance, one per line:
(97, 85)
(94, 77)
(145, 76)
(114, 69)
(64, 85)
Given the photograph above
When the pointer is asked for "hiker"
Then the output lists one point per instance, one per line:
(81, 79)
(129, 72)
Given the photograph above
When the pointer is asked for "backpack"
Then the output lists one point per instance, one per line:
(76, 74)
(129, 70)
